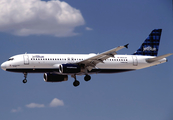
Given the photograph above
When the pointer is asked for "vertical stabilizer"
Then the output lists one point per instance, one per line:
(150, 46)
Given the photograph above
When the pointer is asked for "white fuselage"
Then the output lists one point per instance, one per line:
(42, 63)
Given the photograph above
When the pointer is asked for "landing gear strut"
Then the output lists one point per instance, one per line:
(25, 80)
(76, 82)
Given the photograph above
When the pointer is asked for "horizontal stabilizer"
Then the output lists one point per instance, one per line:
(150, 60)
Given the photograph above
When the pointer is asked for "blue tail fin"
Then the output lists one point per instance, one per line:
(150, 46)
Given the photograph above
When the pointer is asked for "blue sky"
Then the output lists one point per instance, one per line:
(91, 26)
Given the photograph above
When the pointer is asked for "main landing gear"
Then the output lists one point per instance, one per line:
(25, 80)
(77, 83)
(87, 77)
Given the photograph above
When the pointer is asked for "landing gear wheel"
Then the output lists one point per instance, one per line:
(76, 83)
(87, 77)
(24, 81)
(25, 75)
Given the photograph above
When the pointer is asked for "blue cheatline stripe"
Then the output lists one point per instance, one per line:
(57, 70)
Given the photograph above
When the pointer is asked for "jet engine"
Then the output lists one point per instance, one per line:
(54, 77)
(69, 68)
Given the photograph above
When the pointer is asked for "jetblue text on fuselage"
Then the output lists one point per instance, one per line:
(37, 56)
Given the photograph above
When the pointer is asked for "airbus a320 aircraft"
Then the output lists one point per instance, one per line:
(57, 67)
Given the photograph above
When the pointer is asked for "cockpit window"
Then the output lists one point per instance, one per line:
(10, 59)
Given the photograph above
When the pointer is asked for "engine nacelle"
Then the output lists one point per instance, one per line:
(54, 77)
(69, 68)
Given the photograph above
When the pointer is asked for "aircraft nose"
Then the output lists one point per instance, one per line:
(3, 66)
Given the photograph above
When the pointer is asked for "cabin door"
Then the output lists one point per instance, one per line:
(26, 59)
(135, 61)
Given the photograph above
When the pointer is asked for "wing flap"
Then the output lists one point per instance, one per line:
(150, 60)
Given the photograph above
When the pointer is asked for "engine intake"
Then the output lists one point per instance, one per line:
(54, 77)
(69, 68)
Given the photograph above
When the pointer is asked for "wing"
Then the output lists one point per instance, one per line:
(91, 62)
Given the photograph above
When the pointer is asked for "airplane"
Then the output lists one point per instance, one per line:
(57, 67)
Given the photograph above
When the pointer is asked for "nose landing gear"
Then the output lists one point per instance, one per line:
(25, 75)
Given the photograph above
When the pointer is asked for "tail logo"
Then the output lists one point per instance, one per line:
(149, 48)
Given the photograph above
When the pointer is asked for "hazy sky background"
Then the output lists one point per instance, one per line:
(92, 26)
